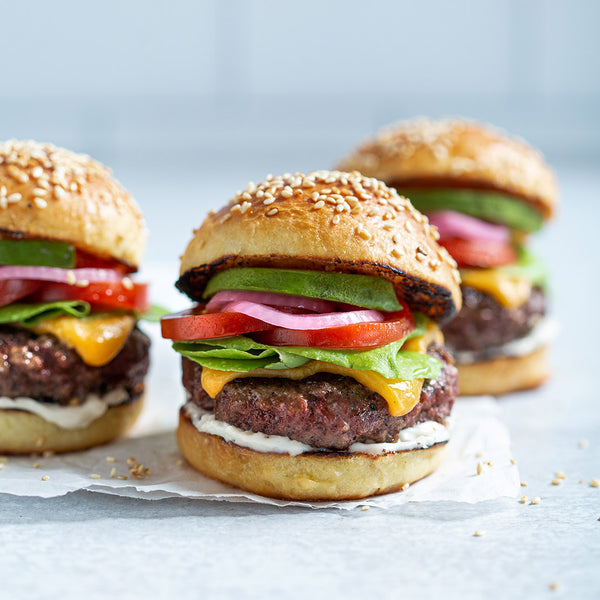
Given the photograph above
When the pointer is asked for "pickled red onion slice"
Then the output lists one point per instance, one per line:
(60, 275)
(454, 224)
(221, 299)
(279, 318)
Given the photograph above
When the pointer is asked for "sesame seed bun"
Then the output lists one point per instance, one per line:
(503, 375)
(310, 477)
(456, 153)
(52, 193)
(327, 220)
(24, 432)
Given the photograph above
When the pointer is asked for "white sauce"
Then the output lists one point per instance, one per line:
(422, 435)
(543, 333)
(68, 417)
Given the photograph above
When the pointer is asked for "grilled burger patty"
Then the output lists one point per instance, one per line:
(483, 322)
(43, 368)
(324, 410)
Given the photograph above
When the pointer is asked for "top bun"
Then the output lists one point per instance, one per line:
(327, 220)
(52, 193)
(456, 153)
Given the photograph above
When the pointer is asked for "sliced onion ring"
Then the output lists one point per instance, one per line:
(60, 275)
(454, 224)
(279, 318)
(221, 299)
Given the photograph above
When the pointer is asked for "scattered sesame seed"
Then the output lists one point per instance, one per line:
(36, 465)
(113, 472)
(336, 219)
(40, 202)
(479, 468)
(535, 500)
(523, 500)
(319, 204)
(111, 459)
(397, 253)
(479, 533)
(409, 226)
(272, 212)
(268, 201)
(179, 462)
(405, 486)
(364, 508)
(513, 461)
(127, 283)
(14, 197)
(40, 442)
(479, 455)
(556, 481)
(553, 586)
(122, 477)
(59, 192)
(45, 477)
(38, 191)
(37, 172)
(71, 279)
(595, 482)
(560, 475)
(96, 476)
(523, 484)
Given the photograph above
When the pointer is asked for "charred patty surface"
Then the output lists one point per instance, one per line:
(483, 322)
(324, 410)
(42, 367)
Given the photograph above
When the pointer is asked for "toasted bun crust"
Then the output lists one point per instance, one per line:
(456, 153)
(24, 433)
(330, 221)
(503, 375)
(325, 476)
(52, 193)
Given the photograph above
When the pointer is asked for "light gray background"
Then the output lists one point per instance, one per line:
(187, 101)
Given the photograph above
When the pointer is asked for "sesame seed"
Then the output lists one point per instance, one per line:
(35, 465)
(319, 204)
(479, 468)
(513, 461)
(111, 459)
(560, 475)
(82, 283)
(315, 196)
(121, 477)
(479, 533)
(113, 472)
(127, 283)
(553, 586)
(523, 500)
(363, 233)
(38, 191)
(59, 192)
(409, 226)
(535, 500)
(179, 462)
(37, 172)
(363, 508)
(40, 202)
(272, 212)
(245, 206)
(45, 477)
(405, 486)
(71, 279)
(96, 476)
(287, 192)
(523, 484)
(396, 238)
(336, 219)
(397, 253)
(595, 482)
(14, 197)
(556, 481)
(269, 201)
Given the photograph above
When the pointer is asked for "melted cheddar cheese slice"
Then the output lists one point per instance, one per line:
(97, 340)
(401, 395)
(510, 292)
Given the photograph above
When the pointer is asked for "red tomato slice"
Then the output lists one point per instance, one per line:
(113, 294)
(85, 260)
(192, 324)
(12, 290)
(359, 335)
(479, 253)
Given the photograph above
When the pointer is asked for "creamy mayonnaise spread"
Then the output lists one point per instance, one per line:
(422, 435)
(68, 417)
(544, 332)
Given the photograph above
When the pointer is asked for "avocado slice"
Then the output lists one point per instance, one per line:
(39, 253)
(357, 290)
(490, 206)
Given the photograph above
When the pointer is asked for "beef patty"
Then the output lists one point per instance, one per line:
(42, 367)
(483, 322)
(324, 410)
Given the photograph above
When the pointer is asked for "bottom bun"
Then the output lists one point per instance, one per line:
(310, 477)
(503, 375)
(24, 432)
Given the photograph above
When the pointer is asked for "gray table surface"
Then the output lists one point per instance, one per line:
(97, 546)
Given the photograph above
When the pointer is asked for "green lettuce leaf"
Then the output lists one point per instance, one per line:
(244, 354)
(153, 314)
(528, 266)
(30, 314)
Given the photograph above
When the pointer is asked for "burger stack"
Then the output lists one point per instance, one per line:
(313, 361)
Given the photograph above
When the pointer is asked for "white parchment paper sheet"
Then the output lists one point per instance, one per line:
(478, 436)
